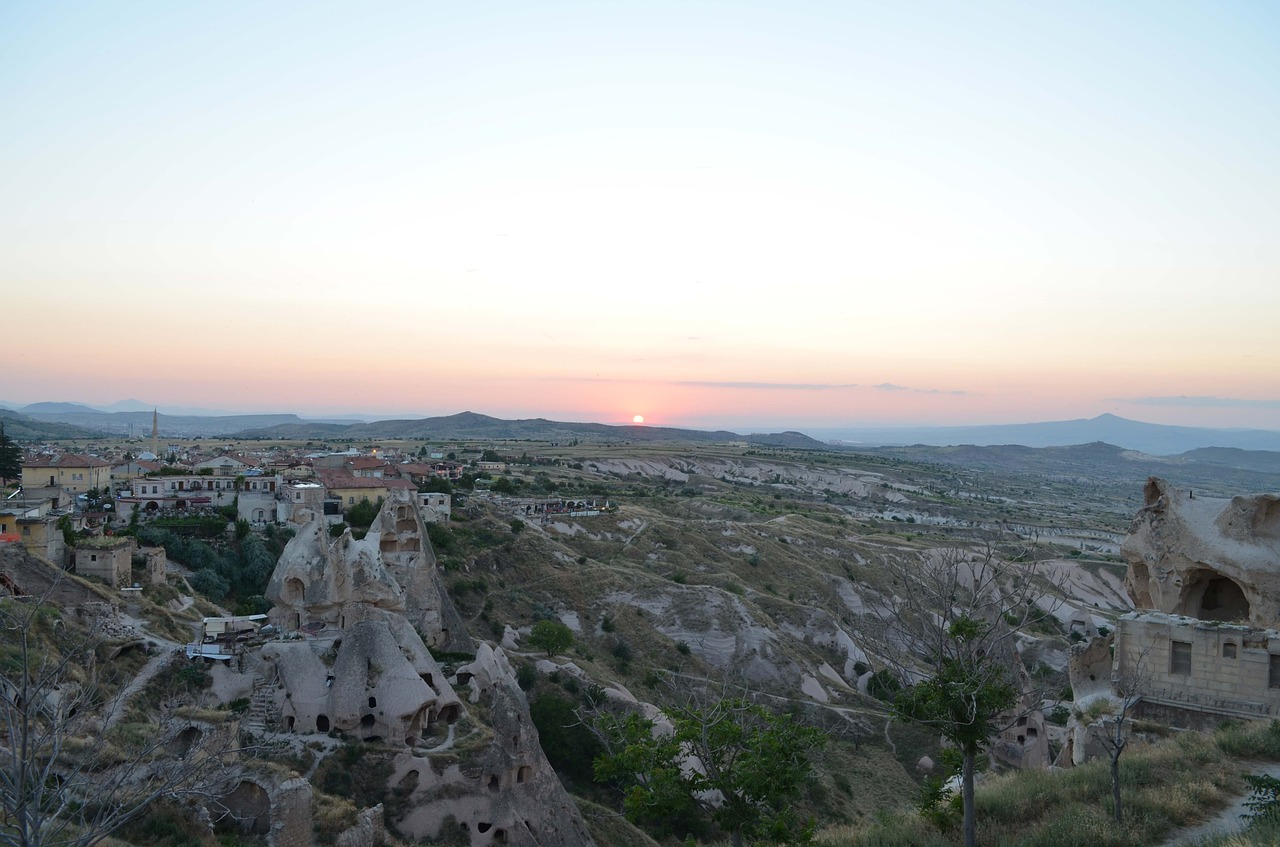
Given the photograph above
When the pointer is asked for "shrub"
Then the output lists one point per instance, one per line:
(551, 636)
(526, 676)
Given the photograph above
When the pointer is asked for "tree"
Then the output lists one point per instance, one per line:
(364, 513)
(956, 614)
(731, 760)
(67, 779)
(1111, 729)
(551, 636)
(10, 458)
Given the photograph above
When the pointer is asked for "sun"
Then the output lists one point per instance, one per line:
(638, 419)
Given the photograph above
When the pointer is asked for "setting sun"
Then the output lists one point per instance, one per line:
(638, 419)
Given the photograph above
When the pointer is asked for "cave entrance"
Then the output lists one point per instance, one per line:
(248, 809)
(1210, 596)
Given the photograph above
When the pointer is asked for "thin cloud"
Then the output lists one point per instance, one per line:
(1200, 402)
(772, 386)
(763, 386)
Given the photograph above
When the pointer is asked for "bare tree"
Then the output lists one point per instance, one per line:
(64, 780)
(950, 628)
(1111, 729)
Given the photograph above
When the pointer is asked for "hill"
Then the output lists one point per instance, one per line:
(1155, 439)
(139, 423)
(467, 426)
(23, 428)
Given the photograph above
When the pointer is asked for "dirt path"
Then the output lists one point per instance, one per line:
(1225, 822)
(166, 653)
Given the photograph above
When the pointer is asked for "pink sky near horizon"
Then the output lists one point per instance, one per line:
(816, 215)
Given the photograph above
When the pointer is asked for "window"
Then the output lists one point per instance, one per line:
(351, 501)
(1273, 672)
(1228, 650)
(1180, 658)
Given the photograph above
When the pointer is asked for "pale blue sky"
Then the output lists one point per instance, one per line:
(1029, 209)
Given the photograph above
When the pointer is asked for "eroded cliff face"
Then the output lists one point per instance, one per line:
(325, 583)
(503, 793)
(1207, 558)
(361, 618)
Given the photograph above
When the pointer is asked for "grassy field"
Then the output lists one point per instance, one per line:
(1174, 783)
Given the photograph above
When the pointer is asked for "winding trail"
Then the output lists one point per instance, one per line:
(1225, 822)
(116, 708)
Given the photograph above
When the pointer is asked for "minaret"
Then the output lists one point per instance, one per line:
(155, 433)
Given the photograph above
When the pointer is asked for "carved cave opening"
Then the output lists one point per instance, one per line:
(248, 808)
(1210, 596)
(182, 743)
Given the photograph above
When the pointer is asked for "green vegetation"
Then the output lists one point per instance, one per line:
(235, 570)
(1173, 783)
(363, 514)
(10, 458)
(757, 761)
(551, 636)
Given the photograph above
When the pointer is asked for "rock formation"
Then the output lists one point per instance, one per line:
(1206, 558)
(324, 583)
(361, 617)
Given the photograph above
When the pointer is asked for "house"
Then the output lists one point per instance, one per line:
(350, 489)
(71, 471)
(227, 465)
(369, 466)
(254, 495)
(420, 472)
(108, 559)
(1205, 637)
(435, 506)
(133, 469)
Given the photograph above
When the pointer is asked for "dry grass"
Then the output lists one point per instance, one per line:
(1173, 783)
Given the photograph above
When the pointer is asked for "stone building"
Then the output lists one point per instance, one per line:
(108, 559)
(1204, 574)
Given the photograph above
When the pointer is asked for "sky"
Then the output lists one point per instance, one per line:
(709, 214)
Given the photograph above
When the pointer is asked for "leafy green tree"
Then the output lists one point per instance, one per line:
(551, 636)
(10, 458)
(435, 484)
(737, 763)
(570, 745)
(362, 514)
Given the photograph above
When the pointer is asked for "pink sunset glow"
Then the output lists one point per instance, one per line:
(885, 222)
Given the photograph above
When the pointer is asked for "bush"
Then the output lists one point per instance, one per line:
(362, 514)
(570, 746)
(551, 636)
(526, 676)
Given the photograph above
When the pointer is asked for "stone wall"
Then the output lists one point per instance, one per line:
(1219, 670)
(156, 558)
(111, 562)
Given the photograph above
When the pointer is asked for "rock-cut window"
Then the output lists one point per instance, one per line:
(1180, 658)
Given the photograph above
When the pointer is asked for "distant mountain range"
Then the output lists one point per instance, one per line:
(470, 425)
(1154, 439)
(96, 422)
